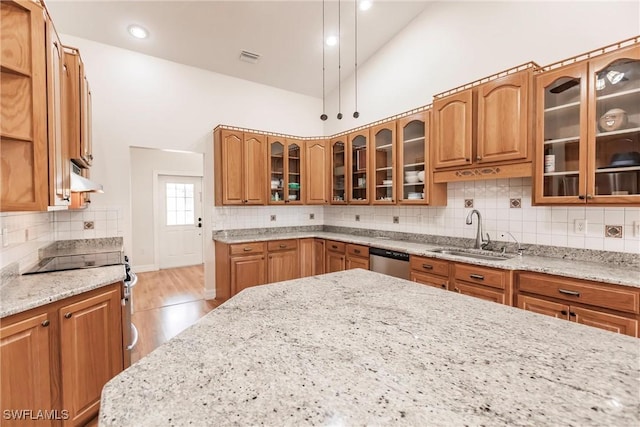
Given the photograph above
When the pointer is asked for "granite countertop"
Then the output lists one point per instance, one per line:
(568, 268)
(360, 348)
(26, 292)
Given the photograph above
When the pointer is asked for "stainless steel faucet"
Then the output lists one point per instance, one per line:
(480, 241)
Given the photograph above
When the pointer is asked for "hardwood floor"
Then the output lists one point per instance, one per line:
(165, 303)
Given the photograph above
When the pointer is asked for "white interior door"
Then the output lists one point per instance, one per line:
(180, 220)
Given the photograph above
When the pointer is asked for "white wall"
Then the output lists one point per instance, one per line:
(453, 43)
(145, 165)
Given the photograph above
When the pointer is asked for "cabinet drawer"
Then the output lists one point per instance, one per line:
(481, 275)
(334, 246)
(246, 248)
(599, 295)
(282, 245)
(480, 292)
(358, 250)
(430, 265)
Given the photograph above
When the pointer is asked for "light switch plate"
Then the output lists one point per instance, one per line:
(636, 228)
(580, 226)
(396, 219)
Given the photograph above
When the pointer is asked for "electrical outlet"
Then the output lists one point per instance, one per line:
(26, 234)
(273, 217)
(357, 218)
(312, 216)
(580, 226)
(396, 220)
(636, 228)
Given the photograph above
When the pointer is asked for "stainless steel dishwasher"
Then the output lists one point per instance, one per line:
(388, 262)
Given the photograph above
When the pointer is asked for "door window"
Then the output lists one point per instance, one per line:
(180, 204)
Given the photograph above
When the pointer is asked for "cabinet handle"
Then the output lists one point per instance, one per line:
(282, 246)
(427, 266)
(457, 290)
(334, 247)
(68, 315)
(467, 159)
(572, 314)
(357, 251)
(589, 196)
(45, 323)
(247, 249)
(443, 286)
(66, 199)
(564, 312)
(567, 292)
(476, 276)
(581, 197)
(478, 157)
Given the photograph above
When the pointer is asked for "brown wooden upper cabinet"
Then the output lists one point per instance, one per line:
(384, 163)
(588, 131)
(414, 177)
(285, 171)
(240, 167)
(338, 169)
(358, 166)
(77, 106)
(23, 109)
(483, 126)
(316, 176)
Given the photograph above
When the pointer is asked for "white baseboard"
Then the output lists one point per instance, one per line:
(144, 268)
(209, 294)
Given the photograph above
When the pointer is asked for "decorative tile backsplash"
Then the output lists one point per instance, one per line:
(89, 223)
(243, 217)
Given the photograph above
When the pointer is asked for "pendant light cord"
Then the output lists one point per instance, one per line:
(339, 63)
(323, 72)
(355, 4)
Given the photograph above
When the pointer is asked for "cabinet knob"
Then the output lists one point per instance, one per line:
(589, 196)
(443, 286)
(572, 314)
(581, 197)
(357, 251)
(68, 315)
(478, 157)
(45, 323)
(564, 312)
(467, 159)
(457, 290)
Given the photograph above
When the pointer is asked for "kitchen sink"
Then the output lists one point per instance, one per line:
(485, 255)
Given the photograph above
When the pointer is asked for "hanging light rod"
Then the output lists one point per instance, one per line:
(339, 116)
(356, 114)
(323, 116)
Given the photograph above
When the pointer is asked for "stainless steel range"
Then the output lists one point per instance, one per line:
(101, 259)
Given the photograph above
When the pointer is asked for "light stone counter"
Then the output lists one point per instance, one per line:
(22, 293)
(568, 268)
(360, 348)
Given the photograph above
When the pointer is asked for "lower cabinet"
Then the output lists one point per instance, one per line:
(57, 358)
(357, 257)
(429, 279)
(318, 256)
(283, 261)
(429, 271)
(247, 271)
(335, 258)
(487, 283)
(609, 307)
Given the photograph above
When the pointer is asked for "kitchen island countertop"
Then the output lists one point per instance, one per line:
(357, 347)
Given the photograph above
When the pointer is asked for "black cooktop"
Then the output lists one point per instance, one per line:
(75, 262)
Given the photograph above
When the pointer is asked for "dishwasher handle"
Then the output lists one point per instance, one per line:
(386, 253)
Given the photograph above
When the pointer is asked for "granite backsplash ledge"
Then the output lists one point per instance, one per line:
(622, 259)
(82, 246)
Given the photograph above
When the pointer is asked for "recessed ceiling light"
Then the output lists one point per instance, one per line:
(365, 4)
(138, 32)
(332, 41)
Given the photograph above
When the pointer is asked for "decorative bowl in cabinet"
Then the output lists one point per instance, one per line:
(411, 179)
(387, 181)
(614, 119)
(421, 176)
(293, 197)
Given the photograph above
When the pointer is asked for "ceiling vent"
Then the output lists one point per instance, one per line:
(249, 57)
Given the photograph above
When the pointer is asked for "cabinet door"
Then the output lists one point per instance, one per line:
(413, 157)
(294, 172)
(231, 163)
(613, 162)
(283, 265)
(318, 256)
(356, 262)
(503, 119)
(453, 130)
(429, 279)
(277, 179)
(87, 123)
(306, 257)
(90, 352)
(606, 321)
(561, 136)
(480, 292)
(334, 262)
(338, 169)
(23, 108)
(541, 306)
(358, 164)
(383, 158)
(59, 166)
(26, 376)
(316, 172)
(247, 271)
(255, 168)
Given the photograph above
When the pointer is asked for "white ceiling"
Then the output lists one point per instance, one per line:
(211, 34)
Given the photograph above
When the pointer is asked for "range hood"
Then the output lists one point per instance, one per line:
(80, 184)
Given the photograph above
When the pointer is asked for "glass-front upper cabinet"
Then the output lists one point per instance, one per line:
(588, 134)
(338, 170)
(413, 156)
(285, 171)
(359, 161)
(384, 163)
